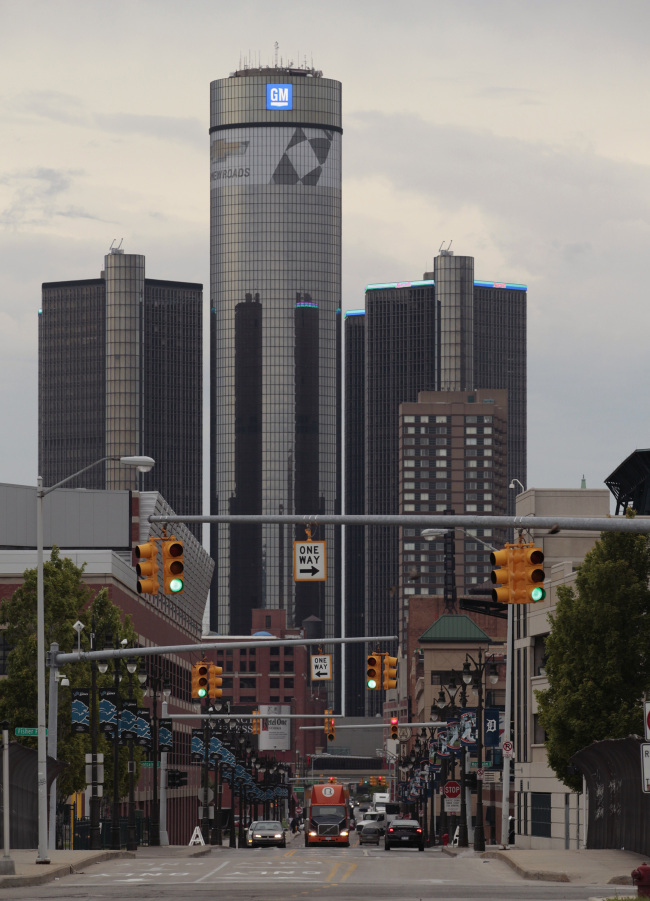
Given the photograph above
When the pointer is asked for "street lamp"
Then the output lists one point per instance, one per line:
(475, 678)
(447, 700)
(131, 835)
(158, 687)
(142, 464)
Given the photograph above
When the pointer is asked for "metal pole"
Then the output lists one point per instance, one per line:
(162, 831)
(205, 779)
(507, 761)
(116, 843)
(40, 681)
(479, 833)
(52, 738)
(462, 831)
(131, 835)
(154, 826)
(7, 865)
(216, 838)
(232, 841)
(95, 836)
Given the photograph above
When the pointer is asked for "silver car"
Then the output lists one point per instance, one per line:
(265, 833)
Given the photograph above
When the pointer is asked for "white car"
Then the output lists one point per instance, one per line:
(375, 817)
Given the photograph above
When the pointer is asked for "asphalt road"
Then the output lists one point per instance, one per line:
(274, 874)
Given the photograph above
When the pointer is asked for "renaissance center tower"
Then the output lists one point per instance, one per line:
(275, 272)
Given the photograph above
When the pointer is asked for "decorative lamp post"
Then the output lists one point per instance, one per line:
(131, 835)
(475, 678)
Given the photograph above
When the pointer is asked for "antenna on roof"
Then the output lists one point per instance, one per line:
(277, 47)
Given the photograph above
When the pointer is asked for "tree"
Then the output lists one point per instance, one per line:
(597, 653)
(67, 600)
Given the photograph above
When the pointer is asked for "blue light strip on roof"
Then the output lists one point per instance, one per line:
(355, 313)
(509, 286)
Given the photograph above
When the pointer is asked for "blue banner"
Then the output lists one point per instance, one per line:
(491, 728)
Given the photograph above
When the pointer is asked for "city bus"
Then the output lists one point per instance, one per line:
(327, 815)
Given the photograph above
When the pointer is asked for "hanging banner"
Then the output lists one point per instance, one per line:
(198, 746)
(276, 732)
(143, 727)
(491, 728)
(107, 712)
(128, 720)
(453, 734)
(441, 738)
(80, 711)
(468, 735)
(165, 735)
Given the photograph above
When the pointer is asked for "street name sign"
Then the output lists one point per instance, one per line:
(27, 730)
(309, 561)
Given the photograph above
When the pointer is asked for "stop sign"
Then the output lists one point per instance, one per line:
(452, 789)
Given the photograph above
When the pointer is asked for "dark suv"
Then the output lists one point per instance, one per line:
(404, 834)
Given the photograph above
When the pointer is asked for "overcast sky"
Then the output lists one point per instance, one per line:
(517, 130)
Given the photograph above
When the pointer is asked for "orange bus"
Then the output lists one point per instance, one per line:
(327, 815)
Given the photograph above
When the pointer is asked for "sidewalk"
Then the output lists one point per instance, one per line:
(63, 863)
(586, 867)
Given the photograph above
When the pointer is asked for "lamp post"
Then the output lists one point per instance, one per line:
(158, 687)
(131, 835)
(143, 464)
(475, 678)
(216, 835)
(447, 701)
(102, 666)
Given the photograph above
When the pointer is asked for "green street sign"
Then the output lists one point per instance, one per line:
(27, 730)
(149, 763)
(474, 763)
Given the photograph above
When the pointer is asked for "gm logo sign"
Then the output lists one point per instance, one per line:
(279, 96)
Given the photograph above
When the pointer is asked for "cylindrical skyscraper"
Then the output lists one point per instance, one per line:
(275, 236)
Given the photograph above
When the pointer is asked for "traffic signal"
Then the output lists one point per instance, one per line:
(214, 680)
(181, 779)
(373, 672)
(502, 576)
(393, 727)
(256, 722)
(529, 574)
(172, 555)
(200, 680)
(390, 672)
(172, 778)
(329, 726)
(147, 568)
(373, 780)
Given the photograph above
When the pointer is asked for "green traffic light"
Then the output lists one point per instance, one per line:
(371, 683)
(202, 692)
(537, 594)
(176, 585)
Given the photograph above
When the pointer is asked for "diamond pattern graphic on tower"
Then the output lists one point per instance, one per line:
(303, 159)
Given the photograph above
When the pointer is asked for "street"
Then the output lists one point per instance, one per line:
(299, 872)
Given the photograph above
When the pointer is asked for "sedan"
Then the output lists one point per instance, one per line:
(370, 834)
(405, 834)
(264, 833)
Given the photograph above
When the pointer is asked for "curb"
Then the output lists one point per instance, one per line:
(56, 871)
(541, 875)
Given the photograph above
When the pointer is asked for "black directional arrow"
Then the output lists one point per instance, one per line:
(311, 571)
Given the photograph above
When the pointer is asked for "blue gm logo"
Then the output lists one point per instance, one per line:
(279, 96)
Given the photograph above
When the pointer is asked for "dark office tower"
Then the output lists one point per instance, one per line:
(120, 373)
(246, 540)
(275, 148)
(402, 358)
(354, 417)
(500, 362)
(454, 279)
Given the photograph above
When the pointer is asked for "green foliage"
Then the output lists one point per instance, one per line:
(67, 600)
(597, 663)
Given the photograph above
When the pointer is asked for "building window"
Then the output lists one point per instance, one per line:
(274, 683)
(540, 814)
(274, 666)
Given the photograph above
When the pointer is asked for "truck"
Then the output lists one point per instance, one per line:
(327, 815)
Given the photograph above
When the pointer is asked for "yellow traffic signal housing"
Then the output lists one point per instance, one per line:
(373, 672)
(200, 680)
(147, 568)
(501, 577)
(393, 727)
(256, 722)
(373, 780)
(328, 725)
(530, 575)
(215, 681)
(390, 672)
(331, 732)
(173, 566)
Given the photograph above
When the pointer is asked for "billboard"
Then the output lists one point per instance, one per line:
(275, 734)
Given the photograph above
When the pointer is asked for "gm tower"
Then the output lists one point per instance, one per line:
(275, 273)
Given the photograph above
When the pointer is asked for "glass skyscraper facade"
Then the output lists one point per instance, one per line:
(120, 373)
(275, 270)
(411, 336)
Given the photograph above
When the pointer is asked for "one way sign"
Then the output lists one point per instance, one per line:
(309, 561)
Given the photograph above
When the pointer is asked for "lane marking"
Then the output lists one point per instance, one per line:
(212, 872)
(351, 868)
(332, 872)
